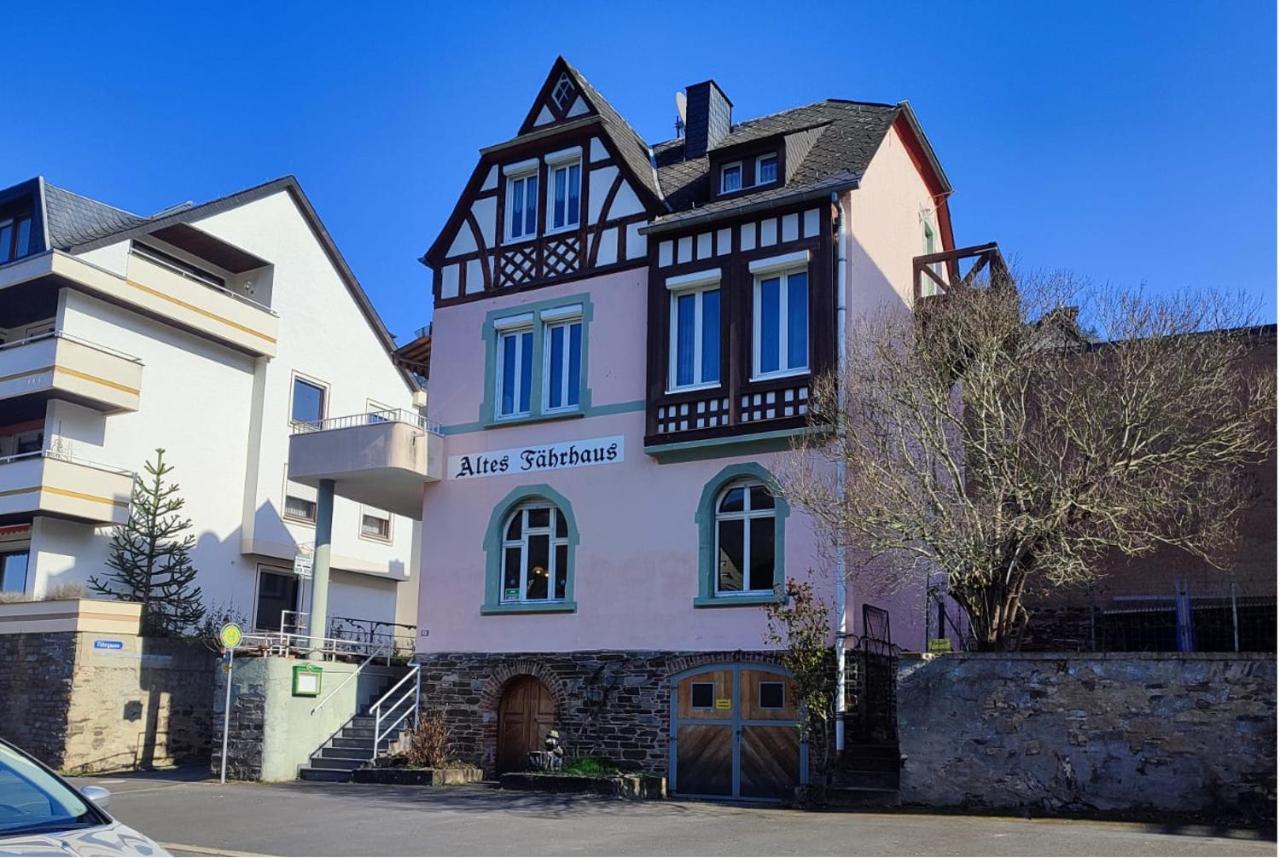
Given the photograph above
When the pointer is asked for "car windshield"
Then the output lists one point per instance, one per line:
(33, 800)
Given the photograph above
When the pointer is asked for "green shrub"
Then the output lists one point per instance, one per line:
(592, 766)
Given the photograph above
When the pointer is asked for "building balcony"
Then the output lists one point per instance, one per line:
(48, 483)
(154, 289)
(383, 458)
(57, 365)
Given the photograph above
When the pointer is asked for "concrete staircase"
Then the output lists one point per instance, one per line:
(351, 747)
(866, 776)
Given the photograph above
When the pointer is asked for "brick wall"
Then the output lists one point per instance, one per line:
(1193, 733)
(613, 704)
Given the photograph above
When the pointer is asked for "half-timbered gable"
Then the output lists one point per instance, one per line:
(565, 198)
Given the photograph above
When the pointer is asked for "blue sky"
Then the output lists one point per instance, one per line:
(1130, 142)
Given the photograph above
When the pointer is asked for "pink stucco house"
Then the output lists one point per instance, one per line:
(624, 338)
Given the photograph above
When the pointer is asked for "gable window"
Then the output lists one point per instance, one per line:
(564, 197)
(695, 330)
(563, 94)
(535, 554)
(766, 169)
(514, 383)
(15, 237)
(730, 178)
(562, 348)
(744, 539)
(780, 321)
(522, 205)
(308, 401)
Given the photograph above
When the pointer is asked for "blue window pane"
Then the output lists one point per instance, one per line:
(517, 207)
(711, 335)
(797, 321)
(574, 172)
(768, 171)
(508, 405)
(684, 339)
(13, 572)
(575, 362)
(24, 238)
(555, 400)
(526, 368)
(560, 197)
(769, 324)
(531, 205)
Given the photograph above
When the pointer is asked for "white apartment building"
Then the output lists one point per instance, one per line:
(214, 331)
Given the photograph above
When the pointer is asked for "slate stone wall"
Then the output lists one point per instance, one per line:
(1185, 733)
(82, 710)
(609, 703)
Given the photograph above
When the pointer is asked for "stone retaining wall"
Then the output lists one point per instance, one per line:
(609, 703)
(1185, 733)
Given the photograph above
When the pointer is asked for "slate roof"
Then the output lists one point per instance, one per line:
(829, 144)
(73, 219)
(629, 144)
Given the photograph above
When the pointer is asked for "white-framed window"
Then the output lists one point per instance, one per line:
(564, 197)
(513, 386)
(745, 539)
(780, 323)
(562, 360)
(928, 286)
(522, 205)
(375, 524)
(535, 554)
(694, 359)
(731, 177)
(308, 400)
(766, 169)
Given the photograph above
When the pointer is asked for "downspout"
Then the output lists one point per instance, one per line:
(842, 240)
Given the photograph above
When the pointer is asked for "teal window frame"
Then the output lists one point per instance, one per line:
(538, 410)
(517, 497)
(705, 518)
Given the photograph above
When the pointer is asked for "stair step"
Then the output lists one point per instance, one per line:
(851, 797)
(868, 779)
(323, 760)
(315, 773)
(366, 734)
(364, 744)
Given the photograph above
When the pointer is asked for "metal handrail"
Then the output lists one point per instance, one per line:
(65, 457)
(368, 418)
(169, 266)
(376, 709)
(370, 657)
(71, 338)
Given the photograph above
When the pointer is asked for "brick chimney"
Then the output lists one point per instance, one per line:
(709, 116)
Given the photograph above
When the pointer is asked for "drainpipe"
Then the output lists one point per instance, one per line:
(842, 229)
(320, 567)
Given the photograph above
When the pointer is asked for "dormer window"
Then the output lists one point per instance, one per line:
(731, 178)
(767, 169)
(15, 237)
(522, 201)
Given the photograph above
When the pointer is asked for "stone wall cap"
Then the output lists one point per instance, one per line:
(1090, 656)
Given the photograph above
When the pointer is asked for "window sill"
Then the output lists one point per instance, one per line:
(693, 388)
(753, 600)
(530, 608)
(561, 230)
(305, 522)
(545, 417)
(774, 376)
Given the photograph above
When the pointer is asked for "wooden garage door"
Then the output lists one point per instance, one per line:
(734, 733)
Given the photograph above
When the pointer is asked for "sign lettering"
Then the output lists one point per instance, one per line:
(538, 457)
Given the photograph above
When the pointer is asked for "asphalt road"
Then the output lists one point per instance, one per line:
(192, 816)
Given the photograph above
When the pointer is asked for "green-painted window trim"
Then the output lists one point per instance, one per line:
(706, 521)
(493, 603)
(489, 334)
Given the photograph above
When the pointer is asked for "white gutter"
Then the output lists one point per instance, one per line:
(841, 361)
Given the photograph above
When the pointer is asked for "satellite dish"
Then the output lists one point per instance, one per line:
(681, 103)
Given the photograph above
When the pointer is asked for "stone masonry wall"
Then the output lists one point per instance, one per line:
(609, 703)
(82, 709)
(1185, 733)
(35, 692)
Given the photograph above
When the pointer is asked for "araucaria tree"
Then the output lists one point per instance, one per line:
(150, 556)
(985, 439)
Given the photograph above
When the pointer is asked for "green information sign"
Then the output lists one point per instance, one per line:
(306, 680)
(939, 645)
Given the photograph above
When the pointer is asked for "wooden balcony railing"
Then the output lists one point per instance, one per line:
(937, 273)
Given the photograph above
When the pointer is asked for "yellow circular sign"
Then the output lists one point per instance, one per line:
(230, 635)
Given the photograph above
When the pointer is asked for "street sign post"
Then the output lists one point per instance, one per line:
(229, 636)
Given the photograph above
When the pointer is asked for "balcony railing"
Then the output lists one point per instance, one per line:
(78, 369)
(369, 418)
(937, 273)
(54, 482)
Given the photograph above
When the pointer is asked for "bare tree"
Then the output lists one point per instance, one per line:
(983, 437)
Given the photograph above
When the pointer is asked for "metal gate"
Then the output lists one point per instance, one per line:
(875, 710)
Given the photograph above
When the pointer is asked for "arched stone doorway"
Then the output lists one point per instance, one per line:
(525, 713)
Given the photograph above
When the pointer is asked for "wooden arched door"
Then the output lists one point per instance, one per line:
(526, 713)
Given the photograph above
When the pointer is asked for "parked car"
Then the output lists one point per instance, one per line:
(41, 814)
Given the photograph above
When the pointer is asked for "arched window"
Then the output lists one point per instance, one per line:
(535, 554)
(741, 538)
(745, 539)
(529, 550)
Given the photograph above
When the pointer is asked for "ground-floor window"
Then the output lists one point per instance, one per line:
(278, 592)
(529, 550)
(13, 571)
